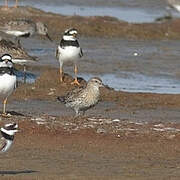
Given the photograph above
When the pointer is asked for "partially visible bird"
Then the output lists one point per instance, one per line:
(7, 132)
(69, 50)
(20, 56)
(25, 28)
(81, 99)
(175, 4)
(6, 4)
(7, 80)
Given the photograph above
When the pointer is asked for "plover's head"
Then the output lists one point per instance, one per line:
(70, 34)
(96, 82)
(9, 129)
(42, 29)
(6, 61)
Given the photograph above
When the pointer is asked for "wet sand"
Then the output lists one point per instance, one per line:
(126, 136)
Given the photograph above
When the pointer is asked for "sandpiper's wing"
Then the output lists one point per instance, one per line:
(17, 52)
(19, 27)
(3, 143)
(75, 94)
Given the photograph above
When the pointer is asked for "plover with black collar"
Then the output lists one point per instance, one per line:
(7, 80)
(69, 50)
(7, 133)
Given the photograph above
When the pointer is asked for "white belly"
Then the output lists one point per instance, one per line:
(7, 85)
(69, 54)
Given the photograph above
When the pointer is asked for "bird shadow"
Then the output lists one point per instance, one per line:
(17, 172)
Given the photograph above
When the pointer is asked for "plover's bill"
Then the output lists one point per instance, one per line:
(7, 80)
(7, 133)
(6, 4)
(174, 4)
(81, 99)
(69, 50)
(25, 28)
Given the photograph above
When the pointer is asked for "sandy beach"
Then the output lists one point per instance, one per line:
(128, 135)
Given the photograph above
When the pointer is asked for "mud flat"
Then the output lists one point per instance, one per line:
(126, 136)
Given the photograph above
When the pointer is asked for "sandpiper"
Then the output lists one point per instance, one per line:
(20, 56)
(81, 99)
(6, 4)
(7, 132)
(25, 28)
(69, 50)
(7, 80)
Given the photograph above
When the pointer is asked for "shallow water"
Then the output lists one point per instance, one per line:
(127, 65)
(136, 11)
(135, 82)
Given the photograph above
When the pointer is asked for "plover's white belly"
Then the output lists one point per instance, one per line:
(69, 53)
(7, 85)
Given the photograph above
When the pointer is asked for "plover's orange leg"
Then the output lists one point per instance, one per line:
(75, 72)
(4, 114)
(61, 74)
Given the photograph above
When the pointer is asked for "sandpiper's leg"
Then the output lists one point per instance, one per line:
(75, 72)
(24, 69)
(16, 4)
(77, 112)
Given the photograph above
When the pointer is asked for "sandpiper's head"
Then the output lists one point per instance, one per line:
(6, 61)
(95, 81)
(70, 34)
(42, 29)
(9, 129)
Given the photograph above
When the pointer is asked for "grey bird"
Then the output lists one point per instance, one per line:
(81, 99)
(7, 133)
(25, 28)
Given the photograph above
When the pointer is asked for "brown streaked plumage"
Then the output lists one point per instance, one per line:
(81, 99)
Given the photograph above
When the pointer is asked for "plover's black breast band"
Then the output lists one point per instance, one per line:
(6, 70)
(6, 136)
(65, 43)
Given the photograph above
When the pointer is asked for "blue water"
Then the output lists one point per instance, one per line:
(30, 77)
(136, 82)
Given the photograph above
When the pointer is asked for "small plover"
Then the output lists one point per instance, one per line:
(6, 4)
(81, 99)
(25, 28)
(7, 80)
(69, 50)
(7, 132)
